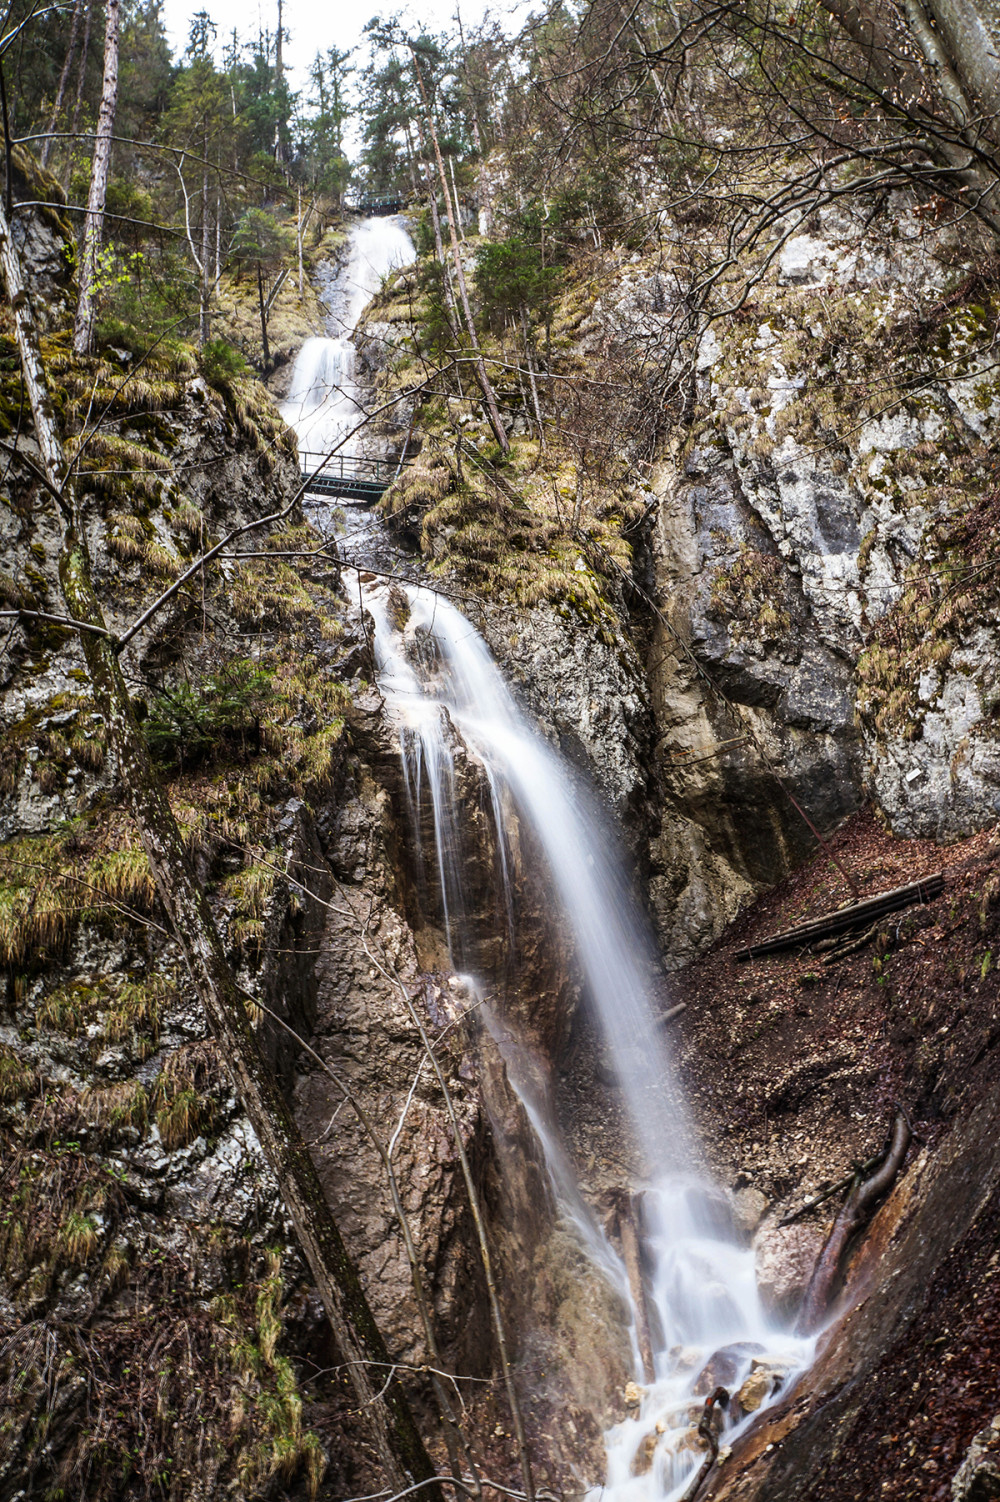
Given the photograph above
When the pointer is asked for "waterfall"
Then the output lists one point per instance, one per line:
(692, 1285)
(323, 402)
(705, 1319)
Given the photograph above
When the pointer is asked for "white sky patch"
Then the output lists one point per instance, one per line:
(315, 27)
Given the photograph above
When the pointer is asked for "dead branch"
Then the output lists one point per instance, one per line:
(627, 1210)
(827, 1194)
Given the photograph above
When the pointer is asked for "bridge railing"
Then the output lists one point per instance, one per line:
(348, 467)
(377, 203)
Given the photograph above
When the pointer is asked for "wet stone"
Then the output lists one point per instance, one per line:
(764, 1380)
(643, 1461)
(724, 1366)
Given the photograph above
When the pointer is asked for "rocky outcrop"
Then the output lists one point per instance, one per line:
(586, 689)
(820, 564)
(978, 1477)
(753, 707)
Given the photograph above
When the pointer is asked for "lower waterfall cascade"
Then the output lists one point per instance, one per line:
(702, 1313)
(705, 1317)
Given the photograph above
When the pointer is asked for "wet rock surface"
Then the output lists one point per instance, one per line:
(784, 1258)
(978, 1477)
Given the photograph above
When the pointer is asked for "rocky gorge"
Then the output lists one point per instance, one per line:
(793, 604)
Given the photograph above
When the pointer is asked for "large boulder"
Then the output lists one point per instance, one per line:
(784, 1259)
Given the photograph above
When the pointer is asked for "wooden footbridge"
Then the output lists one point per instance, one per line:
(369, 204)
(344, 477)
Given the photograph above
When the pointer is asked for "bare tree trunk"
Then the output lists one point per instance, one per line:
(485, 200)
(479, 364)
(279, 78)
(83, 329)
(449, 295)
(972, 37)
(74, 31)
(903, 86)
(204, 315)
(531, 377)
(263, 317)
(890, 73)
(454, 189)
(299, 232)
(81, 79)
(929, 42)
(383, 1402)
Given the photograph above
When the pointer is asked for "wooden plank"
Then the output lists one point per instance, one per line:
(855, 915)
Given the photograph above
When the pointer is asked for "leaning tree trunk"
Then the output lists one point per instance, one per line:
(63, 80)
(265, 343)
(381, 1400)
(83, 329)
(971, 30)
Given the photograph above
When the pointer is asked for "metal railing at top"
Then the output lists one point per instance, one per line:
(348, 467)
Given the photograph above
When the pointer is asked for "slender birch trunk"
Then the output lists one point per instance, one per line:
(63, 79)
(479, 364)
(204, 314)
(83, 329)
(360, 1343)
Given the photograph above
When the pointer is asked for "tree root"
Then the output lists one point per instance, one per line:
(706, 1429)
(860, 1202)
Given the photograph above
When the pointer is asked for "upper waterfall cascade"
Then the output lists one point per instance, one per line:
(322, 403)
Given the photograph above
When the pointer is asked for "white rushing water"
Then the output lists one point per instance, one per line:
(323, 401)
(699, 1302)
(706, 1322)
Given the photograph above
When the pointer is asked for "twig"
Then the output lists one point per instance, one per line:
(57, 620)
(820, 1199)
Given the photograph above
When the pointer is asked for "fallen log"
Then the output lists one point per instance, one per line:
(854, 915)
(627, 1209)
(854, 1212)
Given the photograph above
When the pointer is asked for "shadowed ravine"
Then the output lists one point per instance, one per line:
(701, 1323)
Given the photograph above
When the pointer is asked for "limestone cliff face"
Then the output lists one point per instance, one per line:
(826, 594)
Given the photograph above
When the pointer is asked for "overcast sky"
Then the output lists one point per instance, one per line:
(315, 25)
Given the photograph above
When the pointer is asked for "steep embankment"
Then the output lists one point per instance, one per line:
(150, 1298)
(816, 616)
